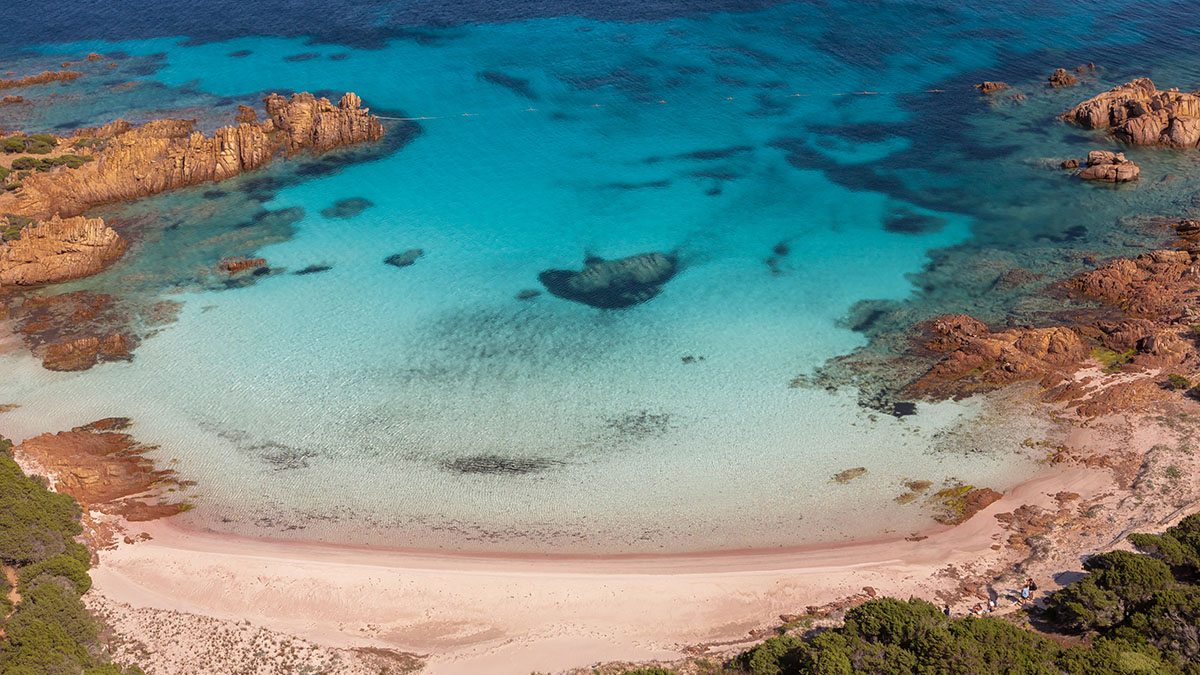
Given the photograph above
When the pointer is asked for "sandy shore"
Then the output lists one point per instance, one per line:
(495, 614)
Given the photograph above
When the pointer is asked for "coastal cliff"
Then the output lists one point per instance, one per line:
(56, 250)
(168, 154)
(1139, 113)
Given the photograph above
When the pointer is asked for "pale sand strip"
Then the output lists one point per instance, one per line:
(496, 614)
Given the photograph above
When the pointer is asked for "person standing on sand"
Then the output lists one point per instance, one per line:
(1025, 594)
(946, 610)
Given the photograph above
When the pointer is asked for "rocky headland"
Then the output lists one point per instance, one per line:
(163, 155)
(125, 163)
(1139, 113)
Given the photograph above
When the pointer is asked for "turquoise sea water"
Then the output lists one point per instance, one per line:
(428, 406)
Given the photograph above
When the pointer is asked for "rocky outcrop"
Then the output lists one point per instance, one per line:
(168, 154)
(977, 359)
(987, 87)
(1110, 167)
(241, 264)
(41, 78)
(58, 249)
(1061, 78)
(107, 472)
(613, 283)
(1158, 285)
(310, 123)
(1139, 113)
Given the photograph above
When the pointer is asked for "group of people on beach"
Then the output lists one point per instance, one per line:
(981, 609)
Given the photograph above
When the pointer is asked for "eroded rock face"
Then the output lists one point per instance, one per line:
(168, 154)
(308, 122)
(1110, 167)
(613, 283)
(58, 249)
(977, 359)
(1140, 114)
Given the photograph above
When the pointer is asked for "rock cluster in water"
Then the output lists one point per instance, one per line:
(57, 249)
(1139, 113)
(1110, 167)
(613, 283)
(1061, 78)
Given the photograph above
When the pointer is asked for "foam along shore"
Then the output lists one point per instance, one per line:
(502, 614)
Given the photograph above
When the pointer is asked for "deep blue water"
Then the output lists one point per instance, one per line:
(824, 173)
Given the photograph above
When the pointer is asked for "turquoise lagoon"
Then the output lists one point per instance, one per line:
(429, 407)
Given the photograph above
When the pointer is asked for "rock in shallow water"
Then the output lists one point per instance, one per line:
(1111, 167)
(404, 259)
(613, 284)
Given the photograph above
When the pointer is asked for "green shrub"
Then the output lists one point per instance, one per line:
(64, 566)
(1111, 360)
(35, 523)
(11, 145)
(24, 163)
(772, 656)
(1177, 382)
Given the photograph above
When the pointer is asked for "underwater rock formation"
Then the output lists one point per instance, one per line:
(613, 284)
(1139, 113)
(347, 208)
(1110, 167)
(56, 250)
(85, 352)
(167, 154)
(404, 259)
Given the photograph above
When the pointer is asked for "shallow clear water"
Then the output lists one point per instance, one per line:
(344, 405)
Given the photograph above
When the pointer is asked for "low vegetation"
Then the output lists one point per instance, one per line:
(1131, 613)
(47, 630)
(36, 144)
(48, 163)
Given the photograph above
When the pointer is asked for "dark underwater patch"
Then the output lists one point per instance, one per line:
(905, 221)
(240, 54)
(499, 465)
(312, 269)
(643, 185)
(347, 208)
(707, 155)
(517, 85)
(304, 56)
(282, 457)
